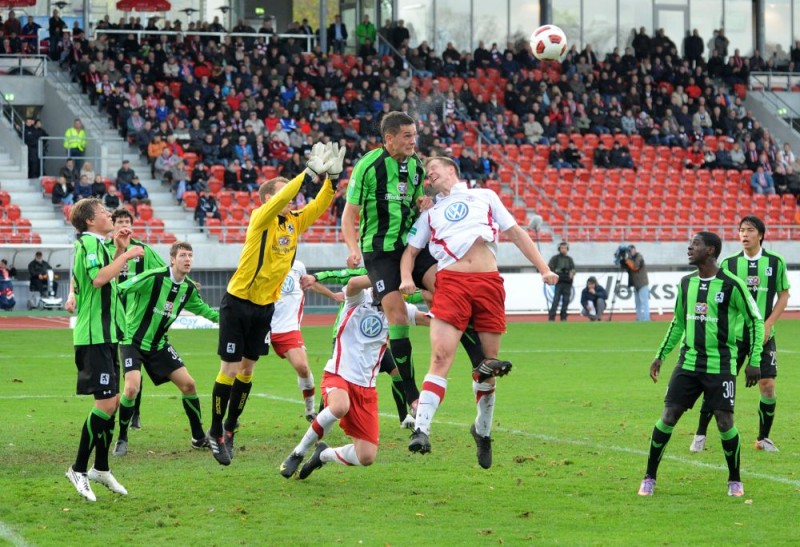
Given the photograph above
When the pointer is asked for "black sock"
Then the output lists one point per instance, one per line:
(239, 392)
(703, 421)
(766, 415)
(399, 397)
(85, 446)
(126, 410)
(138, 403)
(220, 395)
(401, 351)
(658, 443)
(191, 405)
(731, 446)
(472, 344)
(102, 442)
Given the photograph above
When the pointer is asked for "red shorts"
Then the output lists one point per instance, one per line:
(479, 298)
(285, 341)
(361, 421)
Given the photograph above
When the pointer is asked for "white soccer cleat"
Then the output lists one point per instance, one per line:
(735, 489)
(698, 443)
(766, 445)
(107, 479)
(408, 422)
(81, 484)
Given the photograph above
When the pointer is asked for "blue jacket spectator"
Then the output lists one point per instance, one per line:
(593, 300)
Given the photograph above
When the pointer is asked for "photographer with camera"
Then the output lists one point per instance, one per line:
(633, 263)
(563, 265)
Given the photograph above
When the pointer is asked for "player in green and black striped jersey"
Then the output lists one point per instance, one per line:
(155, 299)
(764, 272)
(95, 339)
(709, 307)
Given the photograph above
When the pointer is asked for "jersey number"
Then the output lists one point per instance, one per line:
(728, 389)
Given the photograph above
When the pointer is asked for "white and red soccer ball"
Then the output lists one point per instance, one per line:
(549, 43)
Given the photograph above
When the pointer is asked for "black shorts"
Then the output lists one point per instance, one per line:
(767, 358)
(159, 364)
(98, 370)
(384, 270)
(686, 386)
(387, 362)
(243, 329)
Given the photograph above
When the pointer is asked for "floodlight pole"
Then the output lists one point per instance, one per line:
(323, 25)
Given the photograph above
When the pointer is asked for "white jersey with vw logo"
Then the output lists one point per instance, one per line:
(452, 225)
(360, 341)
(289, 309)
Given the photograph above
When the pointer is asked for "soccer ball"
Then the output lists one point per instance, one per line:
(548, 43)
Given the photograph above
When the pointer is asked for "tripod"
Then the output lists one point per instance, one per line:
(616, 292)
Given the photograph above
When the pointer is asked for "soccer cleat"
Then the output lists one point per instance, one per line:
(121, 448)
(81, 483)
(408, 422)
(735, 489)
(219, 450)
(107, 479)
(136, 422)
(484, 445)
(647, 487)
(200, 443)
(290, 465)
(314, 463)
(310, 415)
(698, 443)
(419, 442)
(766, 445)
(229, 443)
(489, 368)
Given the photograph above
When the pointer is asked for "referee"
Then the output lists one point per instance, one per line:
(246, 309)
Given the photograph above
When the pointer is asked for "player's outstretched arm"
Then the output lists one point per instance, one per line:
(350, 234)
(319, 288)
(112, 270)
(357, 284)
(524, 243)
(407, 285)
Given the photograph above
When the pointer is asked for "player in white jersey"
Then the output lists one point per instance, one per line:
(348, 384)
(462, 230)
(285, 335)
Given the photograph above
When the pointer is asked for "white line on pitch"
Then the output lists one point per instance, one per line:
(11, 536)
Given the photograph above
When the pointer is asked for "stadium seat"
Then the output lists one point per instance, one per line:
(5, 198)
(242, 199)
(13, 212)
(225, 199)
(214, 226)
(156, 225)
(145, 212)
(47, 185)
(215, 185)
(167, 238)
(217, 172)
(190, 199)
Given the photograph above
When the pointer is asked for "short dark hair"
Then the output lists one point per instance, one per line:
(269, 187)
(119, 213)
(563, 244)
(710, 239)
(757, 223)
(450, 162)
(82, 212)
(179, 246)
(393, 121)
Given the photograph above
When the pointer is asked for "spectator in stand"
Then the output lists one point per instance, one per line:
(600, 156)
(400, 35)
(31, 33)
(243, 150)
(210, 151)
(573, 156)
(163, 165)
(206, 208)
(33, 134)
(112, 199)
(63, 192)
(556, 157)
(723, 157)
(249, 176)
(278, 150)
(695, 156)
(199, 178)
(12, 25)
(88, 170)
(701, 122)
(628, 123)
(75, 142)
(98, 187)
(365, 31)
(83, 189)
(486, 167)
(154, 151)
(70, 172)
(762, 182)
(752, 157)
(136, 194)
(467, 165)
(231, 176)
(620, 156)
(125, 174)
(337, 36)
(225, 151)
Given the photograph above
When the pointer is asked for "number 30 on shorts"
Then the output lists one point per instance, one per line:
(729, 389)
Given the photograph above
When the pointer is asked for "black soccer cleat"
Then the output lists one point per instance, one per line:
(419, 442)
(489, 368)
(484, 445)
(136, 422)
(229, 443)
(219, 450)
(290, 465)
(314, 463)
(200, 444)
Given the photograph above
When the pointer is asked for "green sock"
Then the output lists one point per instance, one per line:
(191, 405)
(658, 444)
(766, 415)
(731, 446)
(126, 410)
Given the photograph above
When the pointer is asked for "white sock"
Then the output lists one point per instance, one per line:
(319, 428)
(484, 397)
(344, 455)
(433, 390)
(306, 386)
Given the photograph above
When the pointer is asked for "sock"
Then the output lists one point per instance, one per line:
(220, 395)
(306, 385)
(658, 443)
(91, 427)
(731, 446)
(472, 345)
(319, 428)
(239, 392)
(433, 389)
(399, 397)
(400, 346)
(191, 405)
(766, 415)
(484, 398)
(138, 405)
(103, 426)
(126, 409)
(703, 421)
(345, 455)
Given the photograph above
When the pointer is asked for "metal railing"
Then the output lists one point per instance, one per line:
(13, 117)
(23, 65)
(762, 83)
(52, 148)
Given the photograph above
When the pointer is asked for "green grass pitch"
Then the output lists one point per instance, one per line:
(572, 426)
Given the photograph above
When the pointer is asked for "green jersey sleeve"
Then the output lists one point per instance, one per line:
(358, 186)
(676, 328)
(198, 306)
(339, 277)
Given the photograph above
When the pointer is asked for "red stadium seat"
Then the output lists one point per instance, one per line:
(13, 212)
(145, 212)
(190, 199)
(47, 185)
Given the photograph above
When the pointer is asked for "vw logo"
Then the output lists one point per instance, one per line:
(456, 211)
(288, 285)
(371, 326)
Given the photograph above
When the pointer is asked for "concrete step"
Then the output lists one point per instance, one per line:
(28, 199)
(52, 224)
(18, 184)
(39, 216)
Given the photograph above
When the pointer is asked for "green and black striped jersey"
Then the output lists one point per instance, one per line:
(387, 191)
(764, 275)
(154, 301)
(707, 312)
(98, 307)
